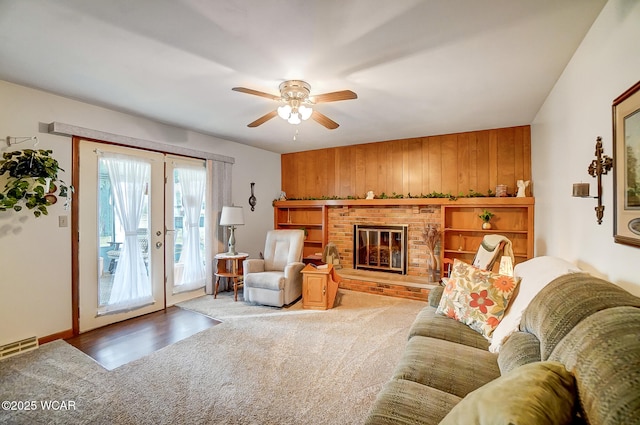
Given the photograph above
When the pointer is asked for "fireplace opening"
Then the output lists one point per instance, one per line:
(380, 248)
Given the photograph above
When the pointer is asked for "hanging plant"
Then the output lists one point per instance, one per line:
(30, 178)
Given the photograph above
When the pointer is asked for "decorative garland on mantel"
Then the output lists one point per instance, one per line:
(471, 194)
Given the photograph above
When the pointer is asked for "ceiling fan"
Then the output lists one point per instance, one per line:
(298, 103)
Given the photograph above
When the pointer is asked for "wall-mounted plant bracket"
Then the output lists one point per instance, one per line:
(16, 140)
(599, 166)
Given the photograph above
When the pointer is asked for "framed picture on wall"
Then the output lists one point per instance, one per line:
(626, 153)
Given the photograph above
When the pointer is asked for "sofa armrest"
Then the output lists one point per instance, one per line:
(434, 296)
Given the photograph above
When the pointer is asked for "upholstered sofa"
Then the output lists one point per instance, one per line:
(572, 356)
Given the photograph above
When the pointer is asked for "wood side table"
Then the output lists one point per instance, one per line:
(229, 266)
(319, 287)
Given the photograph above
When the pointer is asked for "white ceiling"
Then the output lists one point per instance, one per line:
(419, 67)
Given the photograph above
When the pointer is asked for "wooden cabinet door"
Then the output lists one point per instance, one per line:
(314, 291)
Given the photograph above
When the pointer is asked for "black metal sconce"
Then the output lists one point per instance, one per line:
(252, 199)
(599, 166)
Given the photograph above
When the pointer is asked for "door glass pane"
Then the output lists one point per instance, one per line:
(108, 249)
(123, 227)
(189, 219)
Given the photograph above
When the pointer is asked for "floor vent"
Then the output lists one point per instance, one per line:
(18, 347)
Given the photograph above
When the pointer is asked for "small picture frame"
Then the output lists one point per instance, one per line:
(626, 153)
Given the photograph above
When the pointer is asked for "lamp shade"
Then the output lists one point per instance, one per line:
(231, 216)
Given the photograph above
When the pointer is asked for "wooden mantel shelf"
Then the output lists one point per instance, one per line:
(493, 201)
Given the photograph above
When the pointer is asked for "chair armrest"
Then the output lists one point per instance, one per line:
(253, 265)
(292, 271)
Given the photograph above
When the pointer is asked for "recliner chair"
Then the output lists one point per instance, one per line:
(276, 280)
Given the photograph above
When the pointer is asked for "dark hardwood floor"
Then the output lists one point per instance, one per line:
(123, 342)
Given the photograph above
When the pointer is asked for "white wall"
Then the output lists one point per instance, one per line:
(35, 254)
(563, 136)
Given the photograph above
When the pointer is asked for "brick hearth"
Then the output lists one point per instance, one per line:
(381, 283)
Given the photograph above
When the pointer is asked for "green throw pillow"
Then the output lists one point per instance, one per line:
(535, 393)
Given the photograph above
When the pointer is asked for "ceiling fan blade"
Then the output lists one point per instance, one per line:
(334, 96)
(263, 119)
(256, 93)
(324, 120)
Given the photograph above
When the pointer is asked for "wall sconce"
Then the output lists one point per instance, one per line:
(252, 199)
(599, 166)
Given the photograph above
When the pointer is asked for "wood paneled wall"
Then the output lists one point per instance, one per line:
(452, 163)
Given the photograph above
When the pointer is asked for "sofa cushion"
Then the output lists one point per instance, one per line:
(535, 274)
(476, 297)
(521, 348)
(454, 368)
(428, 323)
(565, 302)
(407, 402)
(603, 352)
(537, 393)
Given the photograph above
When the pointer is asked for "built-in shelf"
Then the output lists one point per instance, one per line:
(490, 231)
(463, 232)
(310, 216)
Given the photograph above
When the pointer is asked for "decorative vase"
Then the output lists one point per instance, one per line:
(486, 225)
(431, 267)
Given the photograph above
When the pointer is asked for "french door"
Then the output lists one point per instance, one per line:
(185, 224)
(131, 257)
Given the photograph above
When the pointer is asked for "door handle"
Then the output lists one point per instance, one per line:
(158, 245)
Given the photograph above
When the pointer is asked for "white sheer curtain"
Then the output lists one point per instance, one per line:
(193, 182)
(129, 184)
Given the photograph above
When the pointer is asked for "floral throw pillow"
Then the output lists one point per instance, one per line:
(478, 298)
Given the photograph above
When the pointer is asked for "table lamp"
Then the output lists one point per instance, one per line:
(232, 217)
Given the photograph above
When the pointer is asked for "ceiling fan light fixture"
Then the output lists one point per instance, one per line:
(305, 112)
(294, 119)
(297, 103)
(284, 112)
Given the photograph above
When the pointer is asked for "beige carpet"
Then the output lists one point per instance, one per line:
(261, 366)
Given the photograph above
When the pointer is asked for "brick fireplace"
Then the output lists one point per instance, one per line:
(341, 221)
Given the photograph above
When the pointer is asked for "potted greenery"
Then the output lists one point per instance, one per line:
(30, 177)
(486, 217)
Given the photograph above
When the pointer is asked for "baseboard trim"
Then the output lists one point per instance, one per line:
(58, 335)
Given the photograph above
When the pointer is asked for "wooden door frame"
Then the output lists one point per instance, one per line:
(75, 216)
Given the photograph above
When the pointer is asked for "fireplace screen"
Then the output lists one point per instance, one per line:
(381, 248)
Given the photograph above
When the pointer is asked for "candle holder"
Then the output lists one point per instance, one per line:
(598, 167)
